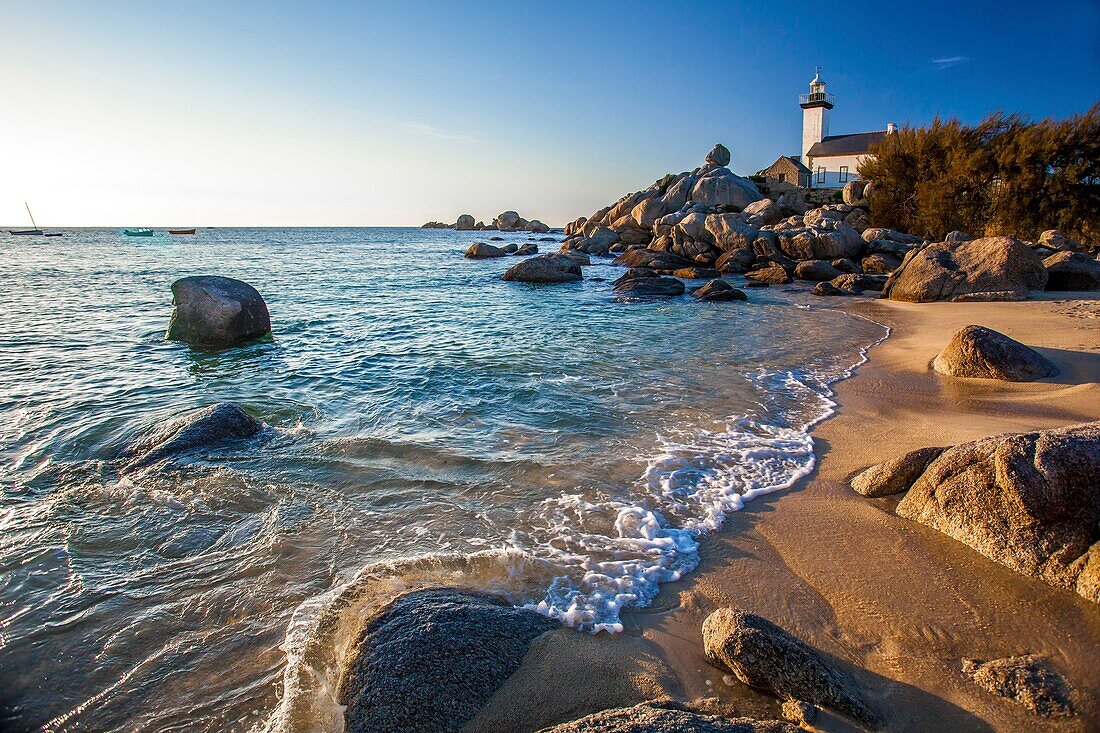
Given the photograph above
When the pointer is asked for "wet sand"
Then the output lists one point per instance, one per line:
(898, 603)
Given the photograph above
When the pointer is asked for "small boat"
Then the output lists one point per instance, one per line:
(138, 232)
(53, 234)
(181, 231)
(32, 232)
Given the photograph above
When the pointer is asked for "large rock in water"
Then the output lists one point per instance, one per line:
(718, 291)
(977, 351)
(1072, 271)
(764, 656)
(465, 222)
(210, 310)
(641, 282)
(209, 427)
(993, 268)
(481, 251)
(432, 659)
(1030, 501)
(549, 268)
(666, 717)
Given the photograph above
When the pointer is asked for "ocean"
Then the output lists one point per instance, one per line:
(428, 424)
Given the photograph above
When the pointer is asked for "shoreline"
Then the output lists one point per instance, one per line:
(900, 605)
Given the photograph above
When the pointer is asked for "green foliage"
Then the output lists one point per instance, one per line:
(1005, 176)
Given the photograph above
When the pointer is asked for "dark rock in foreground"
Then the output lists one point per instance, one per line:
(1024, 679)
(481, 251)
(977, 351)
(764, 656)
(432, 659)
(210, 310)
(640, 282)
(896, 475)
(1029, 501)
(717, 291)
(819, 270)
(666, 717)
(209, 427)
(665, 261)
(550, 268)
(1072, 271)
(993, 268)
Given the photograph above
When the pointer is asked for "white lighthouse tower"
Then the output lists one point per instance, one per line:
(815, 114)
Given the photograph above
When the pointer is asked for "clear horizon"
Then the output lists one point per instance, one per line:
(341, 115)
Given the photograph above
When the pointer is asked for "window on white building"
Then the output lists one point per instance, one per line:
(821, 174)
(843, 174)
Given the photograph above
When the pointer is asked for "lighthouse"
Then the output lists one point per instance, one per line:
(815, 114)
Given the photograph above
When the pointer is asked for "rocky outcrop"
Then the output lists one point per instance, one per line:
(215, 311)
(432, 659)
(851, 284)
(696, 273)
(717, 291)
(640, 282)
(1025, 679)
(980, 352)
(465, 222)
(665, 716)
(880, 263)
(527, 249)
(896, 475)
(550, 268)
(1072, 271)
(205, 429)
(764, 656)
(993, 268)
(537, 227)
(1029, 501)
(482, 251)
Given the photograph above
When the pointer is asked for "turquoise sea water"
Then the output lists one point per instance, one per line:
(429, 424)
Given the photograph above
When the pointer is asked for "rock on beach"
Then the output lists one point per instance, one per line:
(977, 351)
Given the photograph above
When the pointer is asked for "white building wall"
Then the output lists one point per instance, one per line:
(815, 126)
(832, 165)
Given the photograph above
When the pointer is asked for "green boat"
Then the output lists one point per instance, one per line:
(138, 232)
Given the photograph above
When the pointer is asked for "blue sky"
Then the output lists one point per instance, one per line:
(341, 113)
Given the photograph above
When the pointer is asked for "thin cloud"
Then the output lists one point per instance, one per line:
(948, 61)
(432, 131)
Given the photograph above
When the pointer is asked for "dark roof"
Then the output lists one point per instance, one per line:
(855, 144)
(798, 164)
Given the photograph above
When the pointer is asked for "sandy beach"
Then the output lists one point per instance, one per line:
(899, 604)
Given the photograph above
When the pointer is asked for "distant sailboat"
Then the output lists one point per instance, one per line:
(35, 231)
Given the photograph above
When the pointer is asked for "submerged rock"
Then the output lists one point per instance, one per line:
(660, 716)
(1024, 679)
(643, 282)
(993, 268)
(717, 291)
(896, 475)
(550, 268)
(977, 351)
(432, 659)
(1029, 501)
(764, 656)
(481, 251)
(209, 427)
(210, 310)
